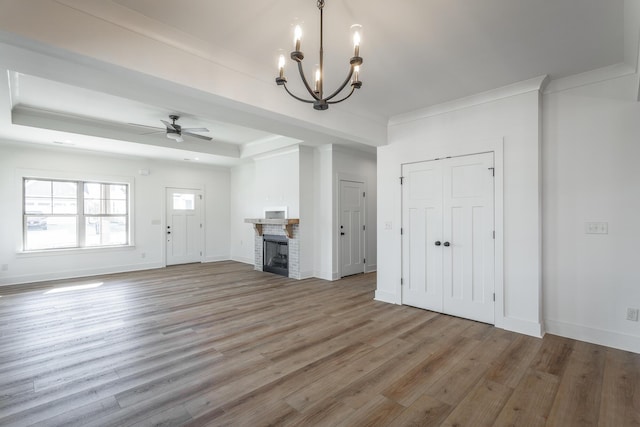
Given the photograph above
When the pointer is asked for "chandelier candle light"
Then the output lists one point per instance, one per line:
(319, 101)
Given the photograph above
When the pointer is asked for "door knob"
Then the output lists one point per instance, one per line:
(168, 232)
(438, 243)
(447, 244)
(342, 234)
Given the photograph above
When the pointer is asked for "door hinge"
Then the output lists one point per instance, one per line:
(200, 225)
(200, 253)
(401, 281)
(200, 195)
(494, 297)
(493, 171)
(363, 194)
(494, 234)
(364, 227)
(401, 230)
(401, 180)
(364, 261)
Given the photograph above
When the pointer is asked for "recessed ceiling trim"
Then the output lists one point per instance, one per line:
(44, 119)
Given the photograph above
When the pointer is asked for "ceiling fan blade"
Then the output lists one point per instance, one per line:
(195, 130)
(168, 125)
(197, 136)
(145, 126)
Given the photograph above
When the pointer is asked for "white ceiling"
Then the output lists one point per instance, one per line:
(417, 53)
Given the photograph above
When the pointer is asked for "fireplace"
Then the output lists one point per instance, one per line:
(275, 257)
(277, 243)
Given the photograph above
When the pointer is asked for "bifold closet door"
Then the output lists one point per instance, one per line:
(422, 228)
(468, 217)
(447, 240)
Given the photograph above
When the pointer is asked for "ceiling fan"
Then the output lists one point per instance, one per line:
(175, 131)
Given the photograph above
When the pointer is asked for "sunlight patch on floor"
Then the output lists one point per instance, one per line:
(74, 288)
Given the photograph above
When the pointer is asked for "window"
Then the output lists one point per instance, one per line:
(74, 214)
(184, 202)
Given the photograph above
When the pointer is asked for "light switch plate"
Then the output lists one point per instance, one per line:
(596, 228)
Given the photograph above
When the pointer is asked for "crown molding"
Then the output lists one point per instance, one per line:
(534, 84)
(590, 77)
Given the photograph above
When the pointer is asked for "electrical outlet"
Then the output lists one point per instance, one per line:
(143, 255)
(632, 314)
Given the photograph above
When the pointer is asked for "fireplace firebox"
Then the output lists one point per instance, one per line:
(275, 257)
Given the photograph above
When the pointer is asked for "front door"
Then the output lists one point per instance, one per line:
(447, 242)
(352, 228)
(184, 226)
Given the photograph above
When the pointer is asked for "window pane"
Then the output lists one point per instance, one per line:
(101, 231)
(184, 202)
(36, 205)
(117, 192)
(92, 190)
(92, 207)
(118, 207)
(37, 188)
(65, 206)
(50, 232)
(65, 189)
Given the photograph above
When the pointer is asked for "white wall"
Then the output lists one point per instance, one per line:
(277, 180)
(323, 200)
(307, 213)
(148, 205)
(360, 167)
(243, 205)
(511, 122)
(591, 150)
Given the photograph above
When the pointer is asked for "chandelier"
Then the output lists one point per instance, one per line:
(319, 101)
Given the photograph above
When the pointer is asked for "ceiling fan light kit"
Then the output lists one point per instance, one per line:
(174, 136)
(175, 131)
(319, 101)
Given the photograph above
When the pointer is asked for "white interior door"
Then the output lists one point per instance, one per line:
(352, 228)
(184, 226)
(468, 275)
(448, 244)
(422, 232)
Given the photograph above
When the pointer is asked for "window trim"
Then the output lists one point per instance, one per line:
(80, 178)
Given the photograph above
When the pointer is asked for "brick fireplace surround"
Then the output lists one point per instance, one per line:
(263, 226)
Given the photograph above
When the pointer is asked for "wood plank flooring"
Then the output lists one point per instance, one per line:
(220, 344)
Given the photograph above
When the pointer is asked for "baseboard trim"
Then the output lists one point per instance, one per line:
(521, 326)
(243, 260)
(324, 275)
(216, 258)
(594, 335)
(387, 297)
(306, 275)
(371, 268)
(61, 275)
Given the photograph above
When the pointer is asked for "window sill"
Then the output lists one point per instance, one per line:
(73, 251)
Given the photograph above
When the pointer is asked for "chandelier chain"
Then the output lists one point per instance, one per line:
(320, 4)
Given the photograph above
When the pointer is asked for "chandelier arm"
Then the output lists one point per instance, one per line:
(353, 88)
(342, 86)
(306, 84)
(297, 97)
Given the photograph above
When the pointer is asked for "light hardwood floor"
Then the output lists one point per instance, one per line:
(221, 344)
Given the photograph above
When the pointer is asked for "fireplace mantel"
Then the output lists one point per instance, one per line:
(287, 224)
